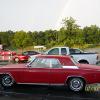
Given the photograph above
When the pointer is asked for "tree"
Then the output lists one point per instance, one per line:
(70, 25)
(69, 33)
(6, 38)
(19, 39)
(91, 34)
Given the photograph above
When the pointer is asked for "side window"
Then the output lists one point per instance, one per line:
(41, 63)
(63, 51)
(30, 53)
(35, 53)
(72, 51)
(77, 51)
(54, 51)
(55, 63)
(46, 63)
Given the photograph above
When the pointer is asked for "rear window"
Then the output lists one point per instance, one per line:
(75, 51)
(63, 51)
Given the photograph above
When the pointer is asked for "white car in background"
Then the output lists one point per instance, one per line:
(78, 55)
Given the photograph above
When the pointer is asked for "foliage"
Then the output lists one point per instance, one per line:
(69, 35)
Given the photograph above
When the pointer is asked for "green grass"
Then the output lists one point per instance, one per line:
(93, 88)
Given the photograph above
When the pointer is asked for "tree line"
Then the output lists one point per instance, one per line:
(70, 35)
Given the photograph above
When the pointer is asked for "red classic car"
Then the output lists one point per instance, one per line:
(7, 52)
(51, 70)
(24, 56)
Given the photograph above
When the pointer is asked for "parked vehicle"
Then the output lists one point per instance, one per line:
(24, 56)
(51, 70)
(77, 54)
(7, 53)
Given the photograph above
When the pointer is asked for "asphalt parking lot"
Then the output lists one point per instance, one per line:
(24, 92)
(32, 92)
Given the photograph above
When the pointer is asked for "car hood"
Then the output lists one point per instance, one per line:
(14, 66)
(88, 66)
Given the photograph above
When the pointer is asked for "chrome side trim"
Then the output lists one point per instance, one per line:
(33, 83)
(57, 84)
(42, 84)
(70, 67)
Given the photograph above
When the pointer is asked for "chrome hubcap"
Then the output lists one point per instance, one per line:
(76, 84)
(7, 81)
(16, 59)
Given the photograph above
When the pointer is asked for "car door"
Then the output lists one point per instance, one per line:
(57, 73)
(39, 74)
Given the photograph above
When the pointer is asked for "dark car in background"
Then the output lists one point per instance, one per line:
(24, 56)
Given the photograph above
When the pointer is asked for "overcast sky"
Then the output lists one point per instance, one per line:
(39, 15)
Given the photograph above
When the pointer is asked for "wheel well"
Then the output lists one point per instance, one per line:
(83, 61)
(75, 77)
(3, 75)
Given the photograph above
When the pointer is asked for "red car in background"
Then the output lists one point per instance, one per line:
(51, 70)
(7, 53)
(24, 56)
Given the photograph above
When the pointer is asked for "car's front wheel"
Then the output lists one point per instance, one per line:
(7, 81)
(76, 84)
(17, 60)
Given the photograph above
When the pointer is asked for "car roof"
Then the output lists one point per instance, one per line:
(65, 60)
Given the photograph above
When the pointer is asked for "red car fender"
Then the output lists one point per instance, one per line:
(75, 76)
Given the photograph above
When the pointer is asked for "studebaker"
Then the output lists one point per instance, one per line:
(51, 70)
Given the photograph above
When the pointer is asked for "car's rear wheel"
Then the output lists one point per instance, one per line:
(76, 84)
(7, 81)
